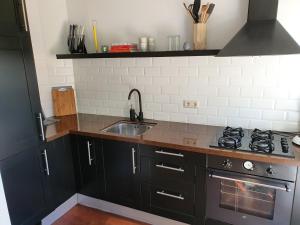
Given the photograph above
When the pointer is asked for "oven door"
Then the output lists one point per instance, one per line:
(247, 200)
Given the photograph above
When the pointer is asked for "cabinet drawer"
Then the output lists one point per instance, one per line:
(176, 202)
(159, 169)
(172, 154)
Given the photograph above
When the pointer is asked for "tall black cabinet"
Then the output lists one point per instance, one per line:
(21, 136)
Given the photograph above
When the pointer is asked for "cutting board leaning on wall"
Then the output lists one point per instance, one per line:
(63, 101)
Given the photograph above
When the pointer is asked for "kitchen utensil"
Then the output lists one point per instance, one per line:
(209, 12)
(63, 101)
(196, 8)
(189, 9)
(204, 9)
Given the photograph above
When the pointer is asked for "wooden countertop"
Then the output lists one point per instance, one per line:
(181, 136)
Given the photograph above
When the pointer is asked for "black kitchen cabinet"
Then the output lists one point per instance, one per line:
(20, 132)
(88, 160)
(59, 173)
(121, 163)
(23, 186)
(18, 123)
(173, 184)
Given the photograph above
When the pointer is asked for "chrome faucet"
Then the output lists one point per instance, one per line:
(133, 115)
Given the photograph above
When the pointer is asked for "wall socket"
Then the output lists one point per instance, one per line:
(190, 104)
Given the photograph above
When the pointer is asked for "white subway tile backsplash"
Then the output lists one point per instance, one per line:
(161, 116)
(273, 115)
(241, 91)
(263, 103)
(179, 61)
(229, 92)
(152, 71)
(292, 105)
(217, 101)
(136, 71)
(170, 108)
(250, 113)
(169, 71)
(161, 98)
(252, 92)
(144, 62)
(161, 61)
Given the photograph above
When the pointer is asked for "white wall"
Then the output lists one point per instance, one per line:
(250, 91)
(260, 92)
(48, 22)
(125, 21)
(4, 215)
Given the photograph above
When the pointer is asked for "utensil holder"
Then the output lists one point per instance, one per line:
(200, 36)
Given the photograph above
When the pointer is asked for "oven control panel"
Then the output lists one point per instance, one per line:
(275, 171)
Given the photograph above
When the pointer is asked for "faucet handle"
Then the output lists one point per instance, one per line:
(132, 114)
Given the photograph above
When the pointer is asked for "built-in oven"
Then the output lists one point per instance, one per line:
(241, 198)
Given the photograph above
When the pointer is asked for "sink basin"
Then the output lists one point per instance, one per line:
(127, 128)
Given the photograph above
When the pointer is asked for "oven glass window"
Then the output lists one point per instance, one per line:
(248, 198)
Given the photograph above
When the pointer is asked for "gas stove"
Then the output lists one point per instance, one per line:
(257, 141)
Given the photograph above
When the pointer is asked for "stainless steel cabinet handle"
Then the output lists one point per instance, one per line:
(133, 160)
(46, 162)
(169, 153)
(40, 118)
(180, 197)
(284, 188)
(170, 168)
(24, 15)
(89, 152)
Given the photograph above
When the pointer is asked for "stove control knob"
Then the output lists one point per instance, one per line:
(227, 164)
(270, 170)
(248, 165)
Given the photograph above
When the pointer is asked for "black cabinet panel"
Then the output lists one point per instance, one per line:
(23, 186)
(89, 166)
(18, 125)
(60, 181)
(8, 17)
(121, 162)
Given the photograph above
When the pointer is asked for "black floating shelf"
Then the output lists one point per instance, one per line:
(212, 52)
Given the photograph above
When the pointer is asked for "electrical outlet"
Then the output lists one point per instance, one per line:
(190, 104)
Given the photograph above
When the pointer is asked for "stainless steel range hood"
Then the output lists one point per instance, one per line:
(262, 34)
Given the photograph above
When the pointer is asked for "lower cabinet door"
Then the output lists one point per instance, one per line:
(88, 160)
(60, 175)
(23, 185)
(121, 163)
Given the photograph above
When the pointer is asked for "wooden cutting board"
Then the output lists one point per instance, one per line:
(63, 101)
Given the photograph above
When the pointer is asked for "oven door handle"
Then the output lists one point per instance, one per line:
(283, 187)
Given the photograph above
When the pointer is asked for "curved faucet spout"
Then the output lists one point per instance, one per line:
(141, 116)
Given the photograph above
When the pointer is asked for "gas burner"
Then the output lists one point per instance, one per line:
(233, 132)
(233, 142)
(262, 145)
(261, 135)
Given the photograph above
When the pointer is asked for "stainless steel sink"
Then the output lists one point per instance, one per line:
(127, 128)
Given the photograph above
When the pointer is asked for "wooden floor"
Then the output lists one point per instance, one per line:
(81, 215)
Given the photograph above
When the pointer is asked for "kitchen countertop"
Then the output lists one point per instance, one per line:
(181, 136)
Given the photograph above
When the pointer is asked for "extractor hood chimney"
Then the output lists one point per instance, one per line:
(262, 34)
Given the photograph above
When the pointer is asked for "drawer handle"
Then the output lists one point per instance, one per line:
(170, 168)
(164, 193)
(169, 153)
